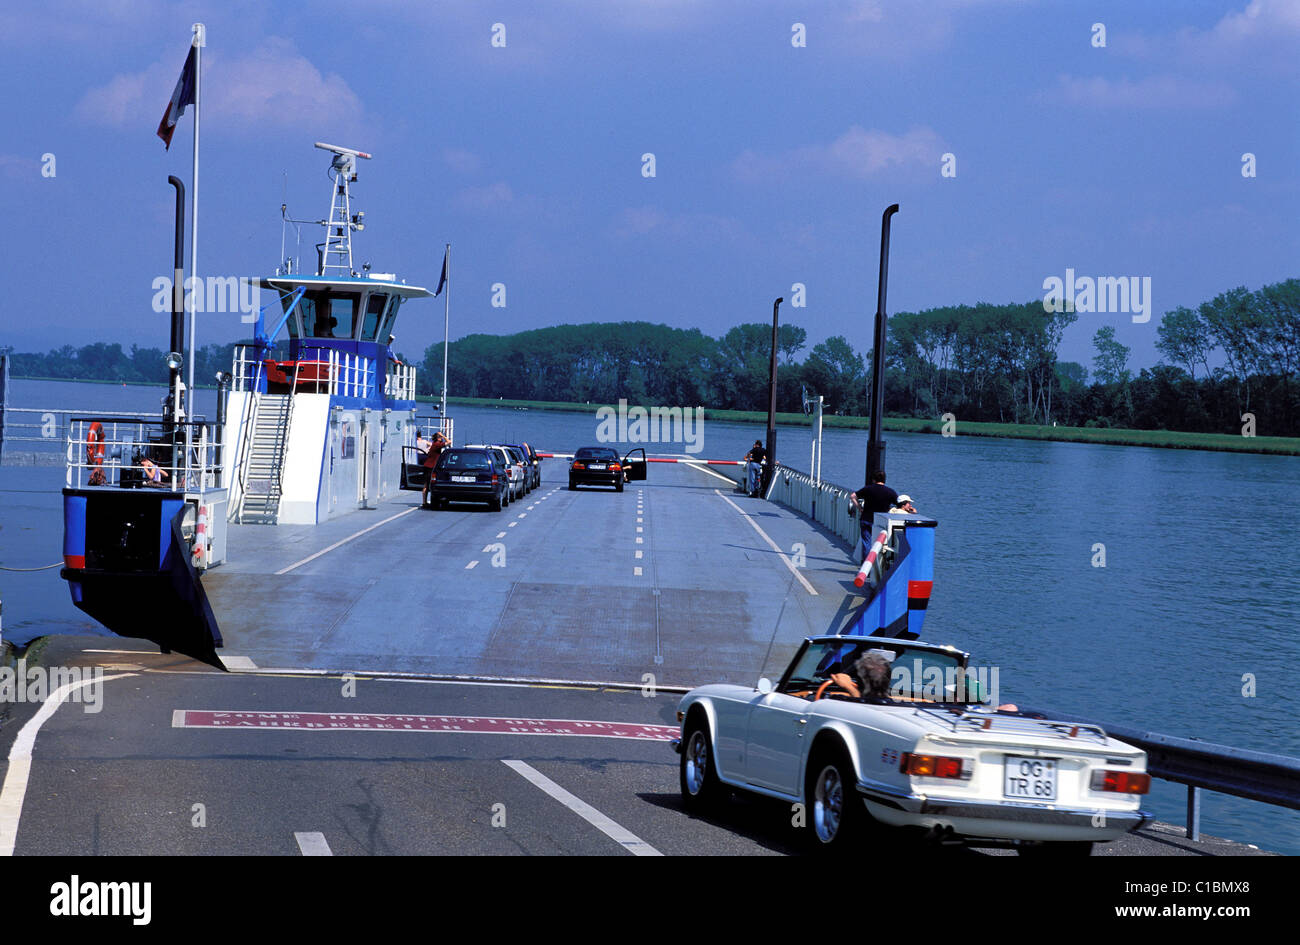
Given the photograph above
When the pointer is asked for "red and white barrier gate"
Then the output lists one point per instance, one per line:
(861, 577)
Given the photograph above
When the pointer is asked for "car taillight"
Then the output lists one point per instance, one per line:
(615, 467)
(933, 766)
(1121, 782)
(577, 465)
(495, 478)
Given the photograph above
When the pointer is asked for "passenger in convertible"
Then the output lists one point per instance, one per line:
(873, 672)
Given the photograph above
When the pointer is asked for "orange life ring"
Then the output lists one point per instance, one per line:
(95, 444)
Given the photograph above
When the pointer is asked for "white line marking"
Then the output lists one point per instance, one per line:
(20, 762)
(636, 572)
(313, 844)
(501, 534)
(706, 469)
(639, 529)
(620, 835)
(237, 662)
(788, 563)
(471, 566)
(523, 515)
(338, 544)
(512, 525)
(487, 548)
(638, 554)
(639, 520)
(640, 540)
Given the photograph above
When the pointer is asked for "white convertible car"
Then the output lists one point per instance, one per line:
(930, 755)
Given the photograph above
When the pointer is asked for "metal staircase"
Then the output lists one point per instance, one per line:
(262, 459)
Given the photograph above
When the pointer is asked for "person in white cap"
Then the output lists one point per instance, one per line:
(903, 504)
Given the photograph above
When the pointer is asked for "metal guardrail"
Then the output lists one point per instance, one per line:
(823, 502)
(1253, 775)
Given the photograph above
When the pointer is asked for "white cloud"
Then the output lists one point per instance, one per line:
(1263, 34)
(859, 153)
(642, 221)
(273, 83)
(460, 160)
(489, 197)
(1158, 91)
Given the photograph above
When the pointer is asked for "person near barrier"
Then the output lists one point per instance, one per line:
(874, 497)
(436, 446)
(754, 467)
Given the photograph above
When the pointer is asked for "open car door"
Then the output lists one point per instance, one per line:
(414, 474)
(635, 467)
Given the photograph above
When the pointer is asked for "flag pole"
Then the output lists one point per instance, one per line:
(198, 42)
(446, 325)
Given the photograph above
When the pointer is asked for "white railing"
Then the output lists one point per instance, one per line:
(399, 384)
(428, 426)
(138, 453)
(823, 502)
(247, 371)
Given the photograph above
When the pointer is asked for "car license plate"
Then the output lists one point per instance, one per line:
(596, 466)
(464, 478)
(1031, 779)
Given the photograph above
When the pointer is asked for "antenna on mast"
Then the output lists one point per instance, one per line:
(336, 252)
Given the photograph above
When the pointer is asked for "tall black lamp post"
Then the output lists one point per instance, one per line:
(771, 407)
(876, 442)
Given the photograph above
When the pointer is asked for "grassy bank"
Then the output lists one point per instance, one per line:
(1161, 439)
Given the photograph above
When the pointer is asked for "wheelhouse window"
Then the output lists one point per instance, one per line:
(386, 323)
(376, 303)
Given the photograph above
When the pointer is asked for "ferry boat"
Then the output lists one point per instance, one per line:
(326, 429)
(329, 427)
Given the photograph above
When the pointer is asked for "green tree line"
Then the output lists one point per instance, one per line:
(983, 362)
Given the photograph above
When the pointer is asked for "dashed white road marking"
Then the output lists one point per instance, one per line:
(620, 835)
(512, 525)
(501, 534)
(339, 544)
(313, 844)
(471, 565)
(636, 572)
(639, 529)
(20, 761)
(640, 540)
(639, 520)
(788, 563)
(639, 553)
(487, 548)
(522, 515)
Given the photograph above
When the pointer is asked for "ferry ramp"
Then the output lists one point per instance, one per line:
(679, 580)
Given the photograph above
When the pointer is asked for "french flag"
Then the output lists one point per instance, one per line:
(182, 97)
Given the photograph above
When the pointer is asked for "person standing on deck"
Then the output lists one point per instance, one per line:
(874, 497)
(754, 470)
(436, 446)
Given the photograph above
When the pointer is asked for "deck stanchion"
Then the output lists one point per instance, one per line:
(1193, 812)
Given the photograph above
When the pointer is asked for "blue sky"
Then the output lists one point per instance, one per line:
(773, 162)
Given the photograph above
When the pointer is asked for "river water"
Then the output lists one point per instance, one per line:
(1187, 629)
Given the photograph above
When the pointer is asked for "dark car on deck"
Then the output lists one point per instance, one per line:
(469, 475)
(602, 466)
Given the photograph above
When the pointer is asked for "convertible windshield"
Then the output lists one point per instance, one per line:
(917, 674)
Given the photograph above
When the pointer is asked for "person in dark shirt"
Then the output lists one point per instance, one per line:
(754, 470)
(874, 497)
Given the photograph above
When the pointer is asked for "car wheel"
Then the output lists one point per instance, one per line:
(832, 809)
(701, 788)
(572, 485)
(1056, 850)
(495, 504)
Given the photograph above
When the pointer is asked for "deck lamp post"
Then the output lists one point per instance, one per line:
(771, 406)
